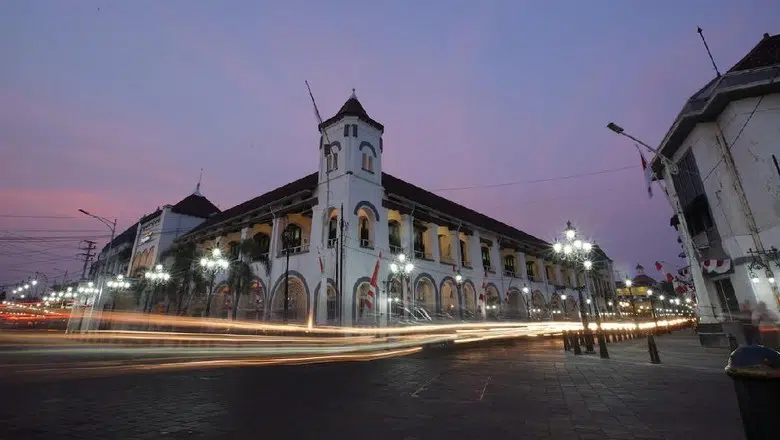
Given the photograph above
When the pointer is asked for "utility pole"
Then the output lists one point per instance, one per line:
(286, 244)
(341, 266)
(88, 246)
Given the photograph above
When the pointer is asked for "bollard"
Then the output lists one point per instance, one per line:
(755, 370)
(575, 341)
(603, 353)
(588, 334)
(566, 346)
(653, 350)
(733, 345)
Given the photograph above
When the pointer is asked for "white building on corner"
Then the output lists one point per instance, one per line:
(726, 144)
(383, 215)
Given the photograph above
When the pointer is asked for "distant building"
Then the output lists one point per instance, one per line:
(138, 247)
(384, 217)
(726, 144)
(157, 231)
(639, 284)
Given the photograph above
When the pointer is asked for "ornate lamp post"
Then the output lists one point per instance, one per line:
(402, 268)
(527, 298)
(578, 251)
(459, 284)
(158, 277)
(212, 265)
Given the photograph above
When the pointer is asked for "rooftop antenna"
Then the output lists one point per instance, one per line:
(701, 34)
(197, 187)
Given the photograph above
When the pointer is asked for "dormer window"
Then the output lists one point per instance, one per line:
(368, 163)
(332, 161)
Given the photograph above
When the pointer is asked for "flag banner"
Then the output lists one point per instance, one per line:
(374, 281)
(647, 172)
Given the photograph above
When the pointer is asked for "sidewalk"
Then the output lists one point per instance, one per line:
(687, 396)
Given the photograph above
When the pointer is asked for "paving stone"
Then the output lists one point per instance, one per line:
(535, 391)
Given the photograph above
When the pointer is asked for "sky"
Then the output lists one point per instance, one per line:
(115, 106)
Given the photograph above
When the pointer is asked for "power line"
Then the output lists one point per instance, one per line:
(550, 179)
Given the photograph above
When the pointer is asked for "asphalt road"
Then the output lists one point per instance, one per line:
(527, 390)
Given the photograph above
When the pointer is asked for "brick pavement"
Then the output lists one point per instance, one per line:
(530, 390)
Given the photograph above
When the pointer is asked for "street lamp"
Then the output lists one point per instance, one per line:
(157, 277)
(563, 301)
(212, 265)
(578, 251)
(673, 169)
(402, 269)
(527, 297)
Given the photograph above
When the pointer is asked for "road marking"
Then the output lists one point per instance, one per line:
(484, 388)
(424, 386)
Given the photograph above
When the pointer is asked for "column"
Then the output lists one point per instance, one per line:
(520, 266)
(475, 253)
(275, 240)
(455, 242)
(558, 270)
(407, 235)
(432, 247)
(495, 258)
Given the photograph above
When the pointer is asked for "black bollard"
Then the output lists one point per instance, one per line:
(575, 341)
(653, 350)
(755, 370)
(588, 334)
(603, 353)
(566, 341)
(733, 345)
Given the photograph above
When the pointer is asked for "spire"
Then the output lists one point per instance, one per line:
(353, 107)
(197, 187)
(353, 95)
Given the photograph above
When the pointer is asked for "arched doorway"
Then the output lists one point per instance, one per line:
(298, 301)
(515, 305)
(469, 301)
(424, 299)
(492, 303)
(365, 305)
(450, 303)
(221, 301)
(251, 305)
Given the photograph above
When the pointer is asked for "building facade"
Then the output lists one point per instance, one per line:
(725, 144)
(327, 232)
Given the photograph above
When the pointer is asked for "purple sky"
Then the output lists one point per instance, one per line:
(114, 106)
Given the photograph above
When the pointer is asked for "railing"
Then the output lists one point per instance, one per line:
(509, 272)
(366, 243)
(303, 247)
(396, 249)
(419, 253)
(332, 242)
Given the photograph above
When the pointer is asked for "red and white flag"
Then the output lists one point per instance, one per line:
(648, 173)
(484, 288)
(660, 266)
(374, 279)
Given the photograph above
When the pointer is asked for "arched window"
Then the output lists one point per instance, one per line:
(332, 231)
(419, 242)
(234, 249)
(332, 161)
(509, 265)
(365, 232)
(263, 244)
(291, 237)
(368, 163)
(486, 257)
(331, 305)
(394, 233)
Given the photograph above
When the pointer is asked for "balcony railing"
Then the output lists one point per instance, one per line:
(366, 243)
(303, 247)
(395, 250)
(332, 242)
(420, 253)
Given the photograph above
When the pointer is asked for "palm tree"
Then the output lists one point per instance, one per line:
(186, 277)
(240, 274)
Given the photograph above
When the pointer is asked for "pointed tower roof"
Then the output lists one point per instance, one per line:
(353, 107)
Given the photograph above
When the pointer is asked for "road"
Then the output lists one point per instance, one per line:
(530, 389)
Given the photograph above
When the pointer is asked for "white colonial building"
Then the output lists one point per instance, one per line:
(726, 144)
(383, 217)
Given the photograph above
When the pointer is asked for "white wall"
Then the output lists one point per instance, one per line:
(751, 146)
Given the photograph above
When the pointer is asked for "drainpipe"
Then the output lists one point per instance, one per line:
(728, 159)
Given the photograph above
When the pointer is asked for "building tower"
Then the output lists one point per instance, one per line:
(349, 188)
